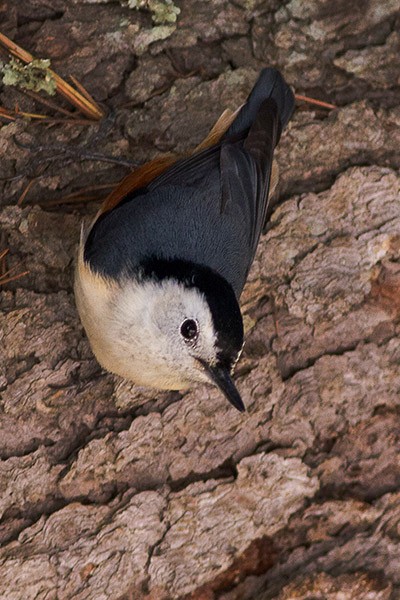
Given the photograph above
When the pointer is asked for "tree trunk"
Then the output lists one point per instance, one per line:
(109, 491)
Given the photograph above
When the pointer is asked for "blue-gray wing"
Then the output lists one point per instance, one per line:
(209, 208)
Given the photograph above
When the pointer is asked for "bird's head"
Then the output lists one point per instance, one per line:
(173, 325)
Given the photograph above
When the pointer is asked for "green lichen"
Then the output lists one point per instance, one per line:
(144, 38)
(34, 76)
(162, 11)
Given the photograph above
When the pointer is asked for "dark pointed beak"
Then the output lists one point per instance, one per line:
(220, 376)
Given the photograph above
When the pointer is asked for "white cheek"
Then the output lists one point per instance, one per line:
(141, 339)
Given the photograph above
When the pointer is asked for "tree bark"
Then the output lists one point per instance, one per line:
(109, 491)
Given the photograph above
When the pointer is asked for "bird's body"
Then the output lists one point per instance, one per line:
(174, 243)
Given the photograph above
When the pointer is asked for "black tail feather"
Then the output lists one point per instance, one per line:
(270, 84)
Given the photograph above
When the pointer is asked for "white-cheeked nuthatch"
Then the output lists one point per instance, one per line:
(162, 267)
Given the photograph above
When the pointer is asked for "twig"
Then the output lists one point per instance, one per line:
(74, 153)
(76, 200)
(52, 121)
(92, 188)
(82, 155)
(89, 108)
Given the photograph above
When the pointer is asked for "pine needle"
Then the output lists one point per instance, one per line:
(48, 103)
(86, 194)
(27, 115)
(6, 114)
(3, 254)
(82, 89)
(13, 278)
(320, 103)
(25, 192)
(5, 275)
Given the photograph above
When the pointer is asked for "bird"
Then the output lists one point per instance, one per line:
(161, 268)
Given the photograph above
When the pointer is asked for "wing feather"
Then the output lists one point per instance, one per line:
(216, 198)
(246, 170)
(145, 174)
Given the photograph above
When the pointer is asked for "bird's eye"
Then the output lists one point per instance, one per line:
(189, 330)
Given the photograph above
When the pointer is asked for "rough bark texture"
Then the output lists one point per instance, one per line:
(108, 491)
